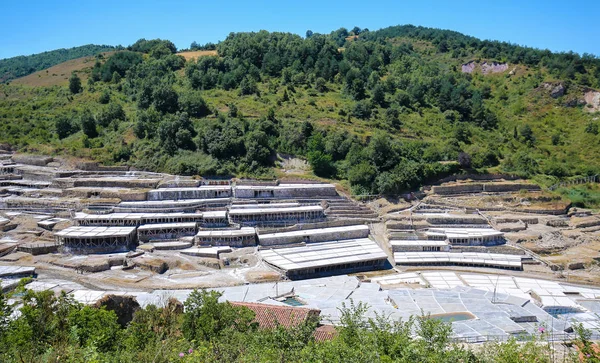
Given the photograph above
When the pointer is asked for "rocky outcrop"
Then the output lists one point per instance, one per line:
(555, 90)
(124, 307)
(592, 100)
(493, 67)
(469, 67)
(485, 67)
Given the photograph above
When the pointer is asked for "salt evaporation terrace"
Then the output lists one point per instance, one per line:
(130, 233)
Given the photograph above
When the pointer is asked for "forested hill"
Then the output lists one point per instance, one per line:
(384, 111)
(20, 66)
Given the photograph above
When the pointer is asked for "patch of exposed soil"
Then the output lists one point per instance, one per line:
(592, 100)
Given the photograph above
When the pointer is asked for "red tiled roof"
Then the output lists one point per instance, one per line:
(325, 332)
(269, 316)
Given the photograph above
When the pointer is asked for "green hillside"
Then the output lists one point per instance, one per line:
(385, 110)
(11, 68)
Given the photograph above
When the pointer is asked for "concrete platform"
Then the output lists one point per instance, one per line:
(173, 245)
(16, 271)
(212, 252)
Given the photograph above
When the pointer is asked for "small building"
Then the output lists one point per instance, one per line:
(466, 236)
(166, 231)
(314, 235)
(243, 237)
(79, 239)
(215, 181)
(276, 216)
(326, 258)
(271, 316)
(134, 219)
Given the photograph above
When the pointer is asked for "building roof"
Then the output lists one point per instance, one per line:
(187, 189)
(476, 258)
(214, 214)
(413, 242)
(322, 254)
(244, 231)
(95, 232)
(284, 186)
(151, 227)
(325, 332)
(310, 232)
(134, 216)
(166, 203)
(265, 205)
(250, 211)
(270, 316)
(464, 232)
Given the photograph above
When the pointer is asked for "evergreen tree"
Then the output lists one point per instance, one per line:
(75, 84)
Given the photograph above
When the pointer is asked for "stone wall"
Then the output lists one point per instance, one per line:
(314, 235)
(37, 160)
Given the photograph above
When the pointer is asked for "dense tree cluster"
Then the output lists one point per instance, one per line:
(49, 328)
(568, 65)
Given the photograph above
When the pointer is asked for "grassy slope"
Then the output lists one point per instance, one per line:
(59, 74)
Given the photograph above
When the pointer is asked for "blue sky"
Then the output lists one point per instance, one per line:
(28, 27)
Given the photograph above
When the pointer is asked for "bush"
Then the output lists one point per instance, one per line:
(193, 103)
(104, 97)
(87, 122)
(321, 164)
(64, 127)
(362, 110)
(75, 83)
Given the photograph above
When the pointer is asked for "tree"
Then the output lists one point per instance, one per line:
(104, 97)
(95, 327)
(165, 99)
(176, 132)
(206, 319)
(257, 148)
(114, 112)
(381, 151)
(88, 124)
(116, 77)
(309, 33)
(527, 135)
(362, 174)
(233, 110)
(462, 133)
(362, 110)
(464, 160)
(591, 128)
(75, 84)
(322, 164)
(63, 126)
(248, 86)
(379, 95)
(392, 119)
(193, 103)
(355, 30)
(477, 109)
(321, 84)
(271, 115)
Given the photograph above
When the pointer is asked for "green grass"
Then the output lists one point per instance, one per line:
(584, 195)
